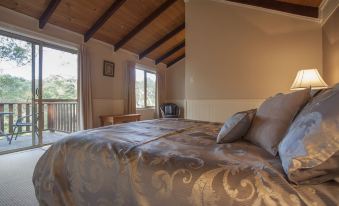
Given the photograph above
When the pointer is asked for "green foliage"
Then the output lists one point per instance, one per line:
(15, 89)
(15, 50)
(150, 92)
(58, 87)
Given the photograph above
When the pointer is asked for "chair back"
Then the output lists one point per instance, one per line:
(170, 110)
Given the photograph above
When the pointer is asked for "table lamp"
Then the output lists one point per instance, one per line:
(308, 78)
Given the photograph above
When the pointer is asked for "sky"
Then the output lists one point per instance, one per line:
(55, 62)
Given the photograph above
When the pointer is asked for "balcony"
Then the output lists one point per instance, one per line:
(60, 117)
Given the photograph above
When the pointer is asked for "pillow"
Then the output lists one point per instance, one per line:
(310, 150)
(236, 126)
(273, 118)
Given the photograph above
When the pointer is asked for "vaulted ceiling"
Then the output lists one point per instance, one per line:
(150, 28)
(309, 8)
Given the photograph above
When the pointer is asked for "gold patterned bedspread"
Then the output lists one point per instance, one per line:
(166, 162)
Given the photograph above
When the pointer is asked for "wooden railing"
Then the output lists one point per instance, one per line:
(58, 115)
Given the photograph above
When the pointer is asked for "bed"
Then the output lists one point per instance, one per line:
(167, 162)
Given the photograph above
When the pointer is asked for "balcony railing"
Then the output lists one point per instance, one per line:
(58, 115)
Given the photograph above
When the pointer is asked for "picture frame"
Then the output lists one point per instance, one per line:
(108, 69)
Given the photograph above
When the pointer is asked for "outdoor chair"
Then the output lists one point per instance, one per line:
(20, 122)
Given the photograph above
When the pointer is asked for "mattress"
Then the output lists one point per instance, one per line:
(167, 162)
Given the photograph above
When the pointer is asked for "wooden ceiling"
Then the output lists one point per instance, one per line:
(309, 8)
(150, 28)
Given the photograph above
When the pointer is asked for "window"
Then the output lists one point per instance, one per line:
(145, 88)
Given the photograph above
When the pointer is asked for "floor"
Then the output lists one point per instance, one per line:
(25, 140)
(16, 170)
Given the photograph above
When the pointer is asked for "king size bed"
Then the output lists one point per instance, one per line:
(178, 162)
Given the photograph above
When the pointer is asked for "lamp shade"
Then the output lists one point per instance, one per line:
(307, 78)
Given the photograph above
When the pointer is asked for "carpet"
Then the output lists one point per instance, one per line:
(16, 171)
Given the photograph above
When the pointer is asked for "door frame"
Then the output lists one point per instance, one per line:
(37, 92)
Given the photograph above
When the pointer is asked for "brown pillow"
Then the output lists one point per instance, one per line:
(236, 126)
(273, 118)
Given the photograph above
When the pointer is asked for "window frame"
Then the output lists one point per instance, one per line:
(145, 88)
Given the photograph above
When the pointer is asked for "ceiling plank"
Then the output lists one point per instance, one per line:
(101, 21)
(143, 24)
(176, 60)
(48, 13)
(303, 10)
(170, 52)
(162, 40)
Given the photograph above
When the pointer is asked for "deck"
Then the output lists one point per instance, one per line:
(25, 140)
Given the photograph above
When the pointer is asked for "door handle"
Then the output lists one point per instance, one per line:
(37, 92)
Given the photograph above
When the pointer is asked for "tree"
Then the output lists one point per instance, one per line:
(14, 89)
(15, 50)
(58, 87)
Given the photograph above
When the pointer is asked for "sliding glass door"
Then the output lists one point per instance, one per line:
(38, 92)
(17, 85)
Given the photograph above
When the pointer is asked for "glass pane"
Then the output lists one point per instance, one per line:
(140, 88)
(151, 88)
(59, 94)
(15, 92)
(60, 74)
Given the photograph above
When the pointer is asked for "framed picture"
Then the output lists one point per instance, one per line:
(108, 69)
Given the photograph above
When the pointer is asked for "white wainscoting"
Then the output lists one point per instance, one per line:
(218, 110)
(106, 107)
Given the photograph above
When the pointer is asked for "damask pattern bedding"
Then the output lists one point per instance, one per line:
(167, 162)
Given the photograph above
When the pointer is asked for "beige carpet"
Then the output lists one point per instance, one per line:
(16, 170)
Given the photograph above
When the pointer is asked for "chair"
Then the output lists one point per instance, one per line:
(170, 110)
(21, 123)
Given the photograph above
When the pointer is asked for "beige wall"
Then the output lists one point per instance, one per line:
(175, 85)
(175, 81)
(107, 92)
(331, 48)
(234, 52)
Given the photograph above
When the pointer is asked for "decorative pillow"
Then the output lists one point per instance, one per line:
(236, 126)
(273, 118)
(310, 150)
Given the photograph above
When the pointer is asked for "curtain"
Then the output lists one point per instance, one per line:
(129, 97)
(86, 116)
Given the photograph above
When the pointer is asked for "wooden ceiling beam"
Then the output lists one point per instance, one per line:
(162, 40)
(48, 13)
(101, 21)
(143, 24)
(170, 52)
(308, 11)
(176, 60)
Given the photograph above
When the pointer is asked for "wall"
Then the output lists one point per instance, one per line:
(240, 56)
(331, 48)
(107, 92)
(175, 85)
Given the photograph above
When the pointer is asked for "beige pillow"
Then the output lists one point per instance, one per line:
(273, 118)
(236, 126)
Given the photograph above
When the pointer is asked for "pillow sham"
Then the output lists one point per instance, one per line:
(236, 126)
(273, 118)
(310, 150)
